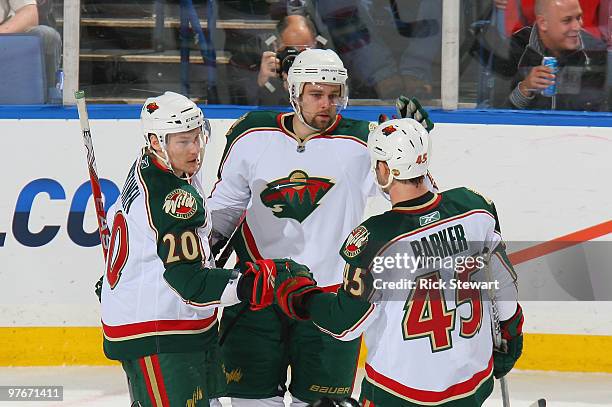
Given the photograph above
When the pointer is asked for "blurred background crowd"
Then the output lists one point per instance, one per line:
(238, 51)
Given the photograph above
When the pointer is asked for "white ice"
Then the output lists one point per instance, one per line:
(106, 387)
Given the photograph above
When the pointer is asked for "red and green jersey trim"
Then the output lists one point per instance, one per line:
(425, 207)
(166, 342)
(163, 327)
(454, 393)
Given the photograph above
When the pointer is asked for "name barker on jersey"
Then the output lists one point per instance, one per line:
(446, 242)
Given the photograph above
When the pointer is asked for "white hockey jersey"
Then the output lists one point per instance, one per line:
(427, 322)
(159, 294)
(301, 198)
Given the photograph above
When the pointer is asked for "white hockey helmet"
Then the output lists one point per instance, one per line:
(404, 145)
(316, 66)
(172, 113)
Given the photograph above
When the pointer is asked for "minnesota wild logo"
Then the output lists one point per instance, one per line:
(295, 196)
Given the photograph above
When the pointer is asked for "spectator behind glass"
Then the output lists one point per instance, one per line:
(21, 16)
(294, 31)
(581, 58)
(605, 21)
(521, 13)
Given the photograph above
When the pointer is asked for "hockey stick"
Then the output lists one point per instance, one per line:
(229, 248)
(498, 342)
(93, 172)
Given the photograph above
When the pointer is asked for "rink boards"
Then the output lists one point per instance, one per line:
(549, 183)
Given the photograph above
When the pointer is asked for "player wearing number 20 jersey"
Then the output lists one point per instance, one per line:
(416, 285)
(160, 291)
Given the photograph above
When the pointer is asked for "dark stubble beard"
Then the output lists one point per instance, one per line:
(312, 123)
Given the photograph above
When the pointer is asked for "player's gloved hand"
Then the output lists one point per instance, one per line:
(412, 109)
(293, 294)
(98, 288)
(512, 333)
(259, 280)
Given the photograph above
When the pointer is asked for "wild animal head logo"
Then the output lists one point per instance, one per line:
(180, 204)
(356, 241)
(151, 107)
(388, 130)
(295, 196)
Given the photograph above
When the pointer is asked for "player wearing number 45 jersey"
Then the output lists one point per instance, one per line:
(160, 292)
(417, 282)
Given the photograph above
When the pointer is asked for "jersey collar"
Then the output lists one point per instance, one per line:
(285, 123)
(160, 166)
(423, 203)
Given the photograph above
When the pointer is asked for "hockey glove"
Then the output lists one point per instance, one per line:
(412, 109)
(260, 278)
(512, 333)
(98, 288)
(292, 296)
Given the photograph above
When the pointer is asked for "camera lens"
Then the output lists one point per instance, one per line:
(287, 56)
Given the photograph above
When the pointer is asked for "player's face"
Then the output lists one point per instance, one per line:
(319, 103)
(184, 151)
(562, 24)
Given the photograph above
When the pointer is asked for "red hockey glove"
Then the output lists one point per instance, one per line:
(512, 333)
(292, 294)
(257, 284)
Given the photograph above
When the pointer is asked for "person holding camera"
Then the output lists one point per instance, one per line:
(296, 33)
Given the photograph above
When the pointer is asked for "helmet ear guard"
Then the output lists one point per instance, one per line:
(404, 145)
(168, 114)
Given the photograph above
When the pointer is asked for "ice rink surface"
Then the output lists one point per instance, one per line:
(106, 387)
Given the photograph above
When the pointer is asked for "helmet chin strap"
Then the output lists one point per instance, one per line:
(303, 120)
(300, 115)
(166, 161)
(382, 187)
(389, 181)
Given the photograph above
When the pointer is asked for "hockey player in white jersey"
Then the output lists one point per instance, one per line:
(417, 281)
(160, 291)
(303, 179)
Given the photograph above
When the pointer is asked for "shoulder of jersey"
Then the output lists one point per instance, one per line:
(468, 199)
(364, 242)
(354, 128)
(178, 204)
(258, 119)
(167, 194)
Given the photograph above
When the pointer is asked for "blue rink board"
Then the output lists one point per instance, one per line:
(466, 116)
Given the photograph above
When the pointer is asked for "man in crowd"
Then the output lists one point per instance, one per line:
(581, 76)
(21, 16)
(295, 32)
